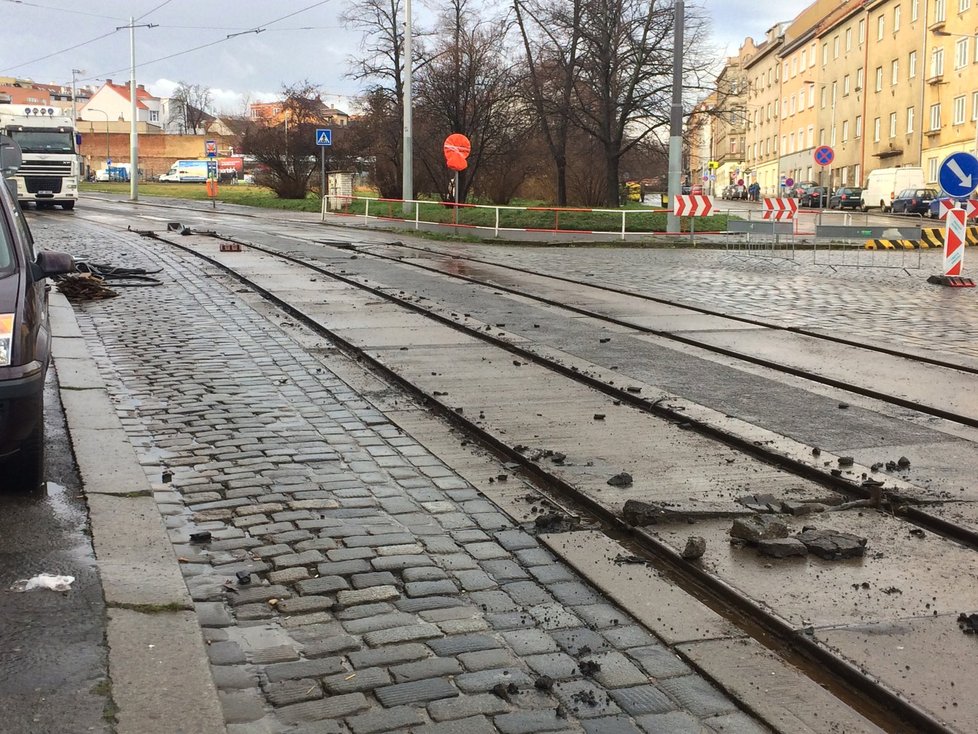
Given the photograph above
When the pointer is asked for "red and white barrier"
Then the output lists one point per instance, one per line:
(778, 209)
(954, 239)
(693, 205)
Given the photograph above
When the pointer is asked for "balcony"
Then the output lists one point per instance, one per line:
(935, 79)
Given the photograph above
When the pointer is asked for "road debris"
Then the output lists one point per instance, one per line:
(832, 545)
(48, 581)
(695, 548)
(782, 548)
(756, 528)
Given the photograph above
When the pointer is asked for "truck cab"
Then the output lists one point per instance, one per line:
(50, 169)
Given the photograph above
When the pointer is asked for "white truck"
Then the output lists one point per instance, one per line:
(51, 167)
(186, 172)
(883, 185)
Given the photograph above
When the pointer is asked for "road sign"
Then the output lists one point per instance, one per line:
(740, 182)
(324, 136)
(789, 182)
(212, 169)
(210, 148)
(457, 148)
(970, 207)
(108, 162)
(958, 174)
(783, 208)
(693, 206)
(824, 155)
(954, 239)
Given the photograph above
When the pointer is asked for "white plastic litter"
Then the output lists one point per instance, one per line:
(44, 581)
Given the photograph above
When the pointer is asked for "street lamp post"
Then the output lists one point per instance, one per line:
(74, 102)
(108, 157)
(407, 141)
(676, 117)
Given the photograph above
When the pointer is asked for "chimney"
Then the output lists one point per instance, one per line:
(108, 82)
(141, 86)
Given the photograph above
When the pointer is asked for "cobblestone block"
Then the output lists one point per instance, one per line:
(485, 704)
(379, 578)
(610, 725)
(575, 593)
(428, 573)
(484, 680)
(276, 654)
(697, 696)
(470, 535)
(462, 611)
(472, 725)
(322, 585)
(260, 508)
(515, 539)
(585, 699)
(288, 575)
(557, 665)
(643, 699)
(503, 569)
(430, 588)
(330, 646)
(283, 693)
(225, 653)
(343, 568)
(419, 691)
(659, 662)
(493, 601)
(304, 669)
(252, 612)
(271, 528)
(486, 550)
(213, 614)
(425, 603)
(527, 593)
(457, 644)
(617, 671)
(462, 626)
(404, 549)
(305, 604)
(426, 668)
(365, 679)
(554, 616)
(373, 623)
(675, 722)
(326, 708)
(552, 574)
(486, 659)
(378, 541)
(530, 722)
(440, 545)
(530, 641)
(268, 551)
(399, 719)
(510, 620)
(228, 677)
(628, 636)
(364, 610)
(320, 544)
(370, 595)
(397, 635)
(241, 706)
(475, 580)
(349, 554)
(307, 558)
(388, 655)
(458, 562)
(602, 616)
(399, 563)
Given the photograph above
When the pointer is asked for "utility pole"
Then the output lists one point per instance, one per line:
(407, 161)
(133, 132)
(676, 117)
(74, 103)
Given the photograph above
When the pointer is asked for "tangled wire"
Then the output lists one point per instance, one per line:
(88, 282)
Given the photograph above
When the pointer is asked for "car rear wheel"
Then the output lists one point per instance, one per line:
(25, 469)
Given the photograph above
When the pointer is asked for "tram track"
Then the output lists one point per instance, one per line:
(884, 705)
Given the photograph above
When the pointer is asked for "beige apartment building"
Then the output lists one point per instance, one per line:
(730, 125)
(885, 83)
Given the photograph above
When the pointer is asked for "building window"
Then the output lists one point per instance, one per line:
(894, 72)
(893, 124)
(859, 79)
(862, 30)
(961, 53)
(880, 27)
(876, 130)
(845, 131)
(811, 95)
(959, 110)
(821, 136)
(935, 116)
(963, 5)
(937, 62)
(859, 126)
(845, 176)
(974, 105)
(825, 54)
(896, 18)
(811, 133)
(791, 143)
(845, 86)
(804, 58)
(932, 169)
(856, 173)
(835, 47)
(154, 116)
(879, 78)
(910, 120)
(821, 98)
(912, 64)
(940, 11)
(914, 10)
(848, 39)
(832, 136)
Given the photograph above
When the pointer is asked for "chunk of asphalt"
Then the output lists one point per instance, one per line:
(782, 547)
(756, 528)
(622, 479)
(833, 544)
(695, 548)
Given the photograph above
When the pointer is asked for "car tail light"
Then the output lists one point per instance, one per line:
(6, 337)
(843, 197)
(913, 202)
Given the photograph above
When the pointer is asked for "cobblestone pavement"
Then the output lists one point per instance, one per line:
(385, 593)
(884, 305)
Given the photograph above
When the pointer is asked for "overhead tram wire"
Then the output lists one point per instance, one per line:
(60, 10)
(64, 50)
(150, 12)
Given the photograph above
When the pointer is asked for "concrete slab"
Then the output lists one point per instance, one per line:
(781, 695)
(654, 601)
(694, 322)
(62, 317)
(70, 346)
(135, 558)
(90, 408)
(78, 374)
(929, 660)
(161, 680)
(106, 461)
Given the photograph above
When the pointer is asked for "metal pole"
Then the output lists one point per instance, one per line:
(133, 132)
(74, 102)
(456, 198)
(676, 117)
(407, 143)
(322, 171)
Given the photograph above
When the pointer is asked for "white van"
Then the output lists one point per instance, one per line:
(884, 184)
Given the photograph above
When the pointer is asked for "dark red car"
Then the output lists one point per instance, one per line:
(25, 341)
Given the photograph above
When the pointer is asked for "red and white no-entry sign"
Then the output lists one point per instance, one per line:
(692, 206)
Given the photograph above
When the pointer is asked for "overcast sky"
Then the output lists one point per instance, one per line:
(36, 37)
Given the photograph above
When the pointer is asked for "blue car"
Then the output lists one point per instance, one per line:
(934, 211)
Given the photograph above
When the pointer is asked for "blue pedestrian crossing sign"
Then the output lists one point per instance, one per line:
(324, 136)
(958, 175)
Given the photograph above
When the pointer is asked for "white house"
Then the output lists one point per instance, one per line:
(114, 100)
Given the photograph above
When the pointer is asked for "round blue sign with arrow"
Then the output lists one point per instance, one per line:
(824, 155)
(958, 175)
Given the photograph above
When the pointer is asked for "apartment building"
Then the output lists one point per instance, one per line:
(730, 125)
(885, 83)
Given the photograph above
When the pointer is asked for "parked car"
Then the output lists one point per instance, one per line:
(739, 192)
(934, 211)
(816, 196)
(800, 187)
(25, 341)
(913, 201)
(847, 197)
(883, 184)
(696, 190)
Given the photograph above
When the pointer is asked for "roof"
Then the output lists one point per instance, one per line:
(123, 91)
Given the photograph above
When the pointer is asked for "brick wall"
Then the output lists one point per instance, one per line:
(157, 152)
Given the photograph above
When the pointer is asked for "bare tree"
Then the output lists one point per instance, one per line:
(190, 107)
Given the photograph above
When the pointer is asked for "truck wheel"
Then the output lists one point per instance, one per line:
(67, 205)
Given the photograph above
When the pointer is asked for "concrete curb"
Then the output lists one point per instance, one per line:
(157, 660)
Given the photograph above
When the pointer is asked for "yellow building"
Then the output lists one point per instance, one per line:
(763, 72)
(951, 92)
(730, 128)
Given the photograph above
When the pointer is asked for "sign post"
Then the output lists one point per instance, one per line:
(824, 155)
(324, 139)
(457, 148)
(957, 177)
(210, 151)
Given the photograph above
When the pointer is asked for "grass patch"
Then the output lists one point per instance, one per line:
(243, 194)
